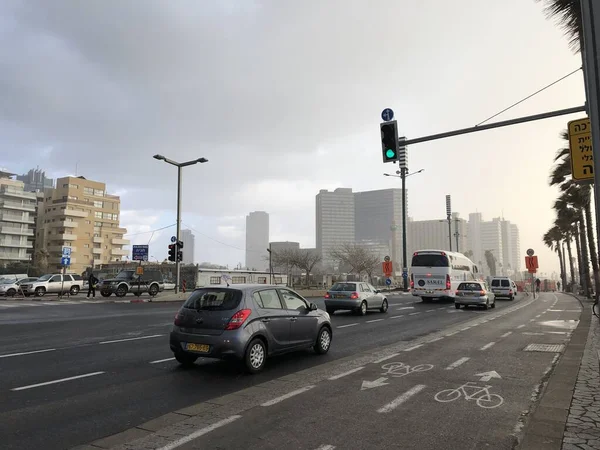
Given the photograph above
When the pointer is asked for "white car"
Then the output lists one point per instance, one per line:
(10, 287)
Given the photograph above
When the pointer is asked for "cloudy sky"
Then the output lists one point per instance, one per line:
(284, 98)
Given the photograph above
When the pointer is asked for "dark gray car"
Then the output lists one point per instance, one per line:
(248, 323)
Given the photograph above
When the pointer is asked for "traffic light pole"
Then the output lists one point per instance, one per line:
(177, 263)
(403, 177)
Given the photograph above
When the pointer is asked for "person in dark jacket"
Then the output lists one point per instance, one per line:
(92, 281)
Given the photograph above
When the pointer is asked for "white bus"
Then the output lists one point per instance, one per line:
(436, 274)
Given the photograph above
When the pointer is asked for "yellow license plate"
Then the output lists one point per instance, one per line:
(202, 348)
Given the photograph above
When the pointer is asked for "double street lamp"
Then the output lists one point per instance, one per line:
(403, 175)
(179, 167)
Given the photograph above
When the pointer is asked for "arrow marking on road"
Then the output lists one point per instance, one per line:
(373, 384)
(487, 376)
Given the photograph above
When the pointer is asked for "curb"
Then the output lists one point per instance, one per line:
(159, 432)
(546, 425)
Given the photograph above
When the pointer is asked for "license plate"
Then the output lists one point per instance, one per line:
(429, 292)
(339, 296)
(201, 348)
(496, 291)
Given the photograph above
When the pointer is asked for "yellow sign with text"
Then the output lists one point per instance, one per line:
(580, 145)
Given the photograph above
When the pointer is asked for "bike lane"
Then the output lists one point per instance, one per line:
(468, 389)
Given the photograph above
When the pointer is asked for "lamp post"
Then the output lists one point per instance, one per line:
(403, 175)
(179, 167)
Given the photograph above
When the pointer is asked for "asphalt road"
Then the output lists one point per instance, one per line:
(73, 373)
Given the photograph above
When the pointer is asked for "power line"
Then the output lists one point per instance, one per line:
(149, 231)
(529, 96)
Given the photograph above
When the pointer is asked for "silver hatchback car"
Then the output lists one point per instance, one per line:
(355, 296)
(248, 323)
(474, 293)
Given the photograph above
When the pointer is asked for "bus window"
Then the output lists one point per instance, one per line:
(430, 260)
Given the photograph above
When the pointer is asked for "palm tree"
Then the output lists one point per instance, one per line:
(552, 239)
(490, 259)
(568, 13)
(565, 225)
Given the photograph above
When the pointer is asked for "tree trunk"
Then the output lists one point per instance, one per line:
(580, 263)
(571, 265)
(563, 277)
(585, 257)
(592, 245)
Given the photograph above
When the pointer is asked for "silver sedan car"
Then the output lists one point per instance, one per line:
(248, 323)
(355, 296)
(474, 293)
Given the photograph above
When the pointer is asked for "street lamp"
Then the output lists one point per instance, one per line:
(179, 167)
(403, 175)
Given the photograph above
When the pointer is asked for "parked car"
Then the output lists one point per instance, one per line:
(355, 296)
(474, 293)
(54, 284)
(248, 323)
(127, 281)
(11, 287)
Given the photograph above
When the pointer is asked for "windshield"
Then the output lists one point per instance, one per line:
(125, 275)
(214, 299)
(343, 287)
(7, 281)
(431, 260)
(45, 277)
(469, 287)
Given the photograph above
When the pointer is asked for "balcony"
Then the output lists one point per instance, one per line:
(64, 224)
(14, 256)
(19, 206)
(10, 243)
(18, 193)
(59, 248)
(16, 230)
(97, 262)
(97, 251)
(119, 252)
(21, 218)
(98, 240)
(119, 241)
(63, 237)
(73, 213)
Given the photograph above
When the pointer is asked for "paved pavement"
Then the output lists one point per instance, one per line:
(463, 384)
(87, 371)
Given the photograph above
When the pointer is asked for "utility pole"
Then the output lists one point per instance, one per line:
(404, 267)
(449, 218)
(270, 264)
(457, 233)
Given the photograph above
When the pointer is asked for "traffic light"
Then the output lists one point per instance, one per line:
(172, 252)
(389, 141)
(179, 256)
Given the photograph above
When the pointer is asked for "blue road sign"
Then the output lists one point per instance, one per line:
(173, 238)
(139, 253)
(65, 261)
(66, 251)
(388, 281)
(387, 114)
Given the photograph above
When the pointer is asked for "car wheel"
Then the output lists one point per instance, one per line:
(457, 306)
(105, 294)
(153, 290)
(330, 311)
(121, 291)
(384, 306)
(256, 355)
(11, 293)
(74, 290)
(363, 309)
(185, 359)
(39, 292)
(493, 305)
(323, 341)
(486, 305)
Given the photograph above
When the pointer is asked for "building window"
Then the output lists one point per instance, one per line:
(262, 280)
(88, 222)
(98, 215)
(278, 280)
(98, 204)
(72, 197)
(86, 245)
(215, 280)
(238, 280)
(96, 234)
(99, 192)
(97, 224)
(88, 191)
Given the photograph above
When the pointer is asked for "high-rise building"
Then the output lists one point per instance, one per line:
(515, 247)
(378, 223)
(257, 240)
(17, 220)
(35, 180)
(334, 222)
(434, 234)
(78, 213)
(491, 240)
(474, 239)
(188, 240)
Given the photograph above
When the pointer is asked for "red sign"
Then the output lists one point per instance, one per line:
(531, 263)
(387, 268)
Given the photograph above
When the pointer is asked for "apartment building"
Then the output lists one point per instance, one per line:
(334, 222)
(17, 220)
(78, 213)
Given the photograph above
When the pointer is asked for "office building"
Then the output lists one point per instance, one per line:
(188, 240)
(516, 257)
(17, 220)
(257, 240)
(334, 223)
(35, 180)
(434, 234)
(491, 240)
(79, 214)
(474, 239)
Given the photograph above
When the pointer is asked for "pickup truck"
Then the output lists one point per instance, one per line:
(126, 281)
(54, 284)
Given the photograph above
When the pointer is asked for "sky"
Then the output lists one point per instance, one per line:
(284, 98)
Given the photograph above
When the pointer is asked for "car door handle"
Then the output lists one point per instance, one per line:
(293, 319)
(265, 320)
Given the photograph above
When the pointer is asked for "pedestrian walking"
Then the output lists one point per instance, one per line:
(92, 281)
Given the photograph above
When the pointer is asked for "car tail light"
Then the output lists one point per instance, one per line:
(482, 293)
(412, 281)
(448, 284)
(354, 295)
(238, 319)
(178, 319)
(327, 295)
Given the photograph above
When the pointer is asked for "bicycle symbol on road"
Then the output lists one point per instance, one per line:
(399, 369)
(481, 395)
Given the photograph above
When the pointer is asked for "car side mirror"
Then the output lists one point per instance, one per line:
(312, 307)
(377, 291)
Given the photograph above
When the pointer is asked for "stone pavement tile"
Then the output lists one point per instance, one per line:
(120, 438)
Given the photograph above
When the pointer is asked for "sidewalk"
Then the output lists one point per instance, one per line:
(567, 416)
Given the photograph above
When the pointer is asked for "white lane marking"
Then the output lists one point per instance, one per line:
(410, 349)
(31, 386)
(453, 333)
(436, 339)
(325, 447)
(385, 358)
(414, 314)
(374, 320)
(406, 307)
(288, 395)
(537, 316)
(161, 360)
(457, 363)
(531, 320)
(401, 399)
(348, 325)
(397, 317)
(521, 326)
(508, 333)
(27, 353)
(340, 375)
(465, 329)
(556, 310)
(132, 339)
(201, 432)
(430, 310)
(486, 346)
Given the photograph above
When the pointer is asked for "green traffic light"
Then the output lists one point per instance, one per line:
(389, 153)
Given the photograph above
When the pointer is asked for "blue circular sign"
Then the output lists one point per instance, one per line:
(388, 281)
(387, 114)
(173, 238)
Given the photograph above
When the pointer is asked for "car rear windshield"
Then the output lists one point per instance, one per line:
(430, 261)
(344, 287)
(469, 287)
(214, 299)
(503, 283)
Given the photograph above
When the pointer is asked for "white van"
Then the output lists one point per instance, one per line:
(503, 287)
